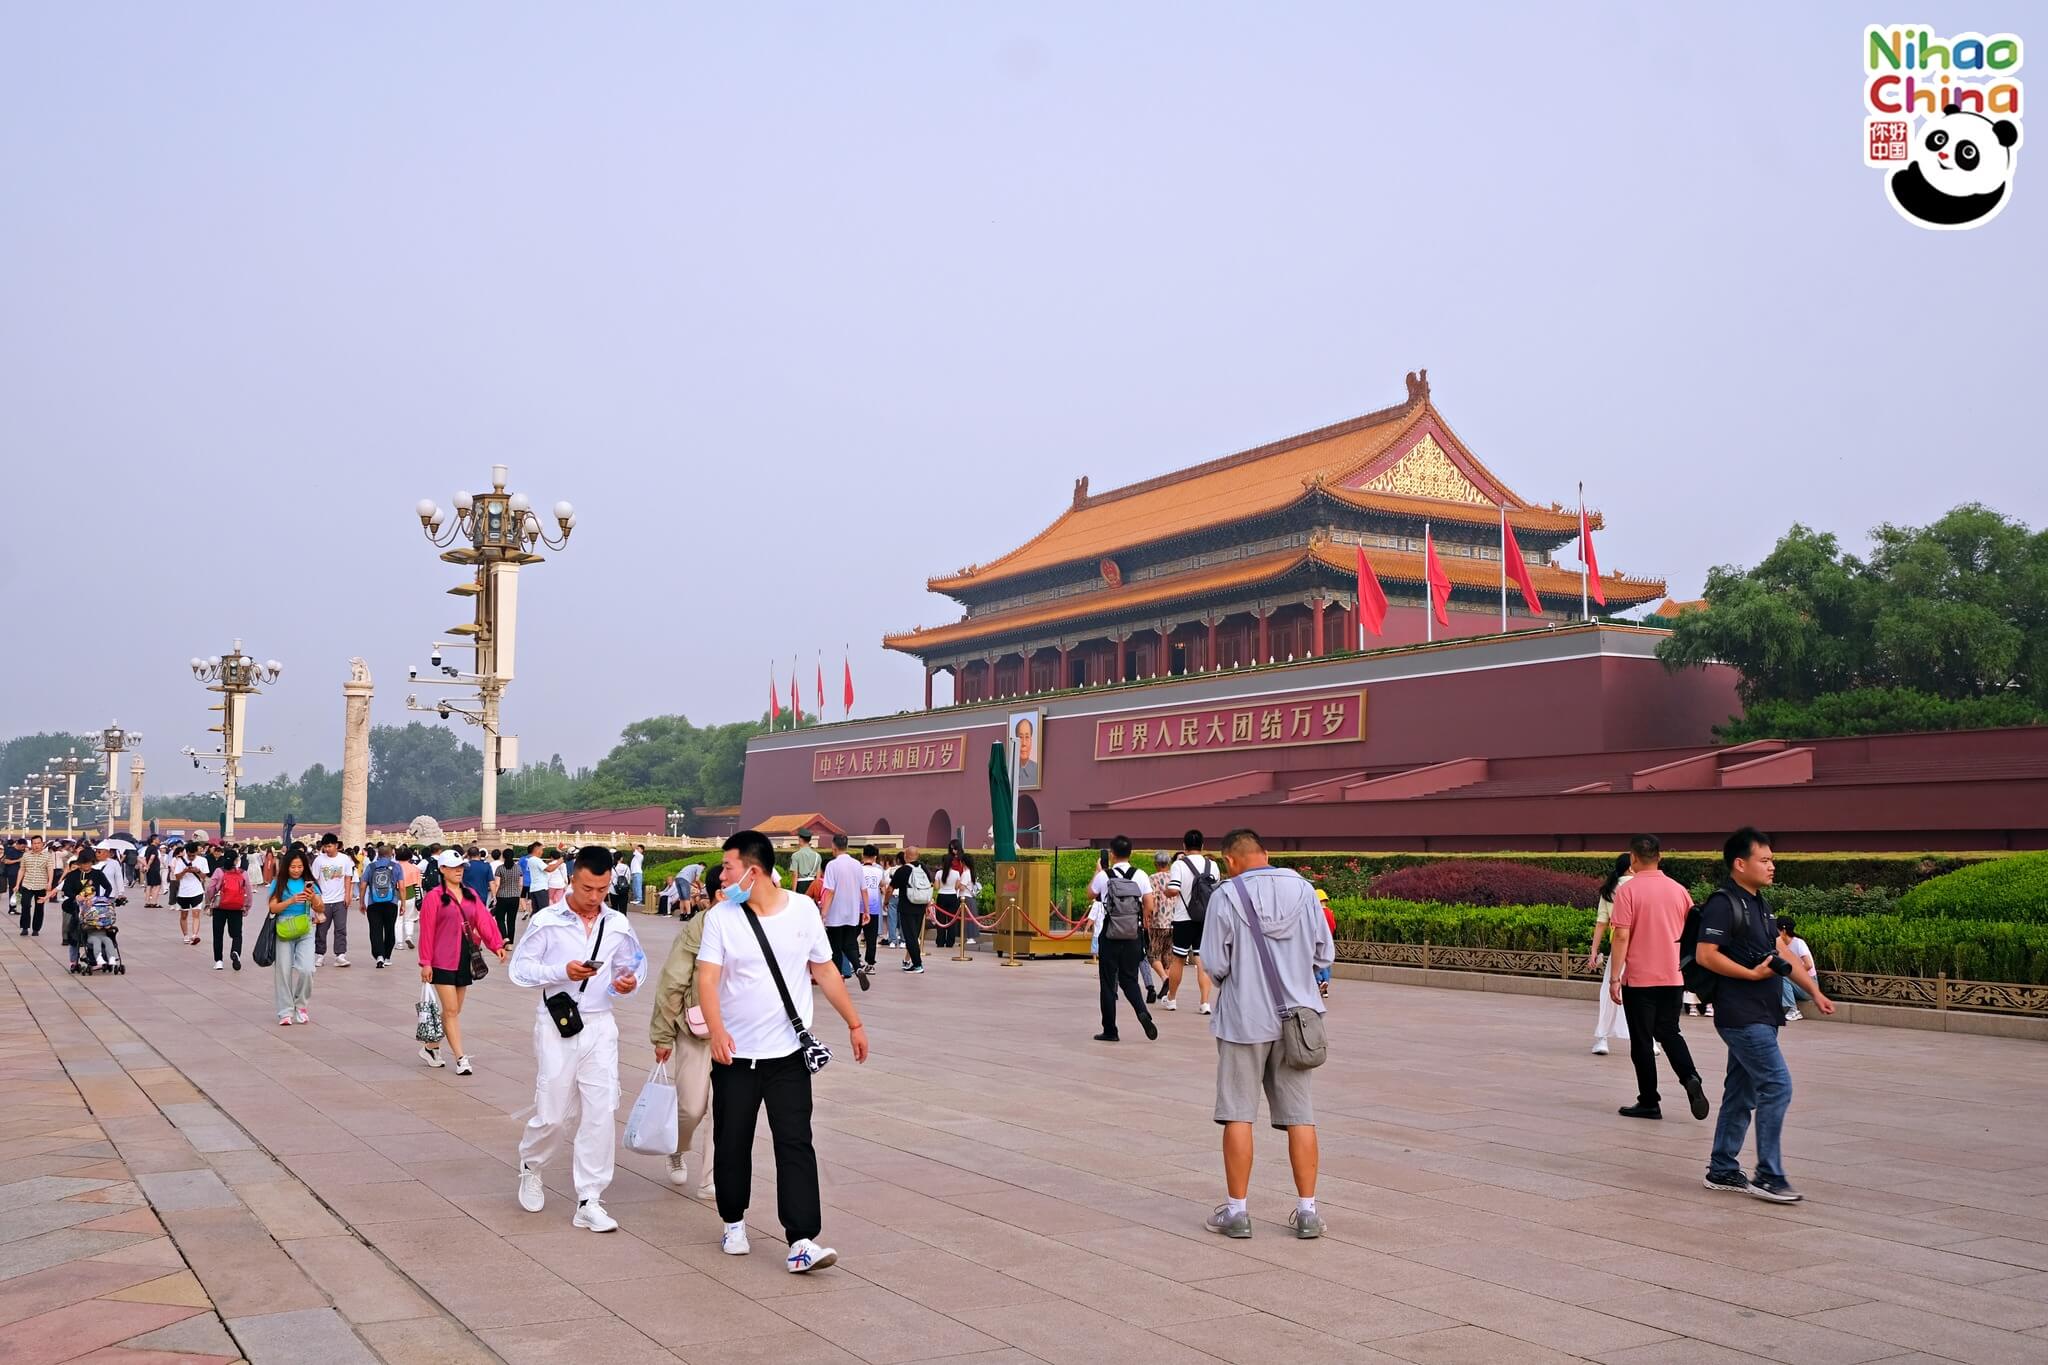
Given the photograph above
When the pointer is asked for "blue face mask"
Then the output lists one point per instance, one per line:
(736, 894)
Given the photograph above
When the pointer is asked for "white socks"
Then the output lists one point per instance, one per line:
(1236, 1206)
(1307, 1204)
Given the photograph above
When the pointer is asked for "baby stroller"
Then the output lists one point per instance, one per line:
(98, 924)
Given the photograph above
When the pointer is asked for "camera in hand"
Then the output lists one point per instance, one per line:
(1780, 965)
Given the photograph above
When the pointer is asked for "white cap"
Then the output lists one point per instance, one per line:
(448, 857)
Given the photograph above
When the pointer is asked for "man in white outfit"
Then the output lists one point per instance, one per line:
(589, 953)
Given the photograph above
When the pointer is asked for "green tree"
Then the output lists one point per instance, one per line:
(420, 769)
(25, 754)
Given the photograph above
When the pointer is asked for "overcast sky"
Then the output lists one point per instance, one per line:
(881, 281)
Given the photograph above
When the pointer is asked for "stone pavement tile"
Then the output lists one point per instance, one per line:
(1254, 1340)
(942, 1281)
(1529, 1317)
(141, 1220)
(1678, 1351)
(550, 1343)
(1468, 1346)
(121, 1192)
(1197, 1255)
(362, 1284)
(1333, 1258)
(177, 1191)
(1795, 1341)
(37, 1219)
(1527, 1271)
(881, 1327)
(1934, 1263)
(179, 1287)
(1932, 1332)
(1339, 1312)
(1990, 1222)
(241, 1168)
(1077, 1336)
(77, 1328)
(244, 1270)
(148, 1158)
(201, 1334)
(54, 1248)
(688, 1309)
(1041, 1213)
(2034, 1287)
(760, 1276)
(1790, 1292)
(43, 1188)
(24, 1296)
(329, 1171)
(99, 1170)
(1986, 1304)
(2006, 1250)
(1120, 1289)
(387, 1202)
(123, 1355)
(308, 1336)
(427, 1341)
(614, 1256)
(787, 1346)
(288, 1209)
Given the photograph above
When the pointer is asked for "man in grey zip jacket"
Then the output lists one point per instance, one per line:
(1247, 1021)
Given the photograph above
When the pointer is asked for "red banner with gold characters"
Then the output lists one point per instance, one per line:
(1236, 727)
(891, 758)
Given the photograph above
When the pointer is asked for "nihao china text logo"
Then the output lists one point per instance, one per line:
(1941, 115)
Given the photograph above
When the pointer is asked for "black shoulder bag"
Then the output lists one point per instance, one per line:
(562, 1006)
(815, 1053)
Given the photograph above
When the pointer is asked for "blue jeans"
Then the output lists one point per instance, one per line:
(892, 929)
(1791, 991)
(639, 887)
(1757, 1080)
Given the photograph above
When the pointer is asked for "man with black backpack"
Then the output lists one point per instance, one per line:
(1126, 896)
(1188, 888)
(1734, 965)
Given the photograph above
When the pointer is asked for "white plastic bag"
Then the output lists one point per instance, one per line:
(428, 1027)
(652, 1126)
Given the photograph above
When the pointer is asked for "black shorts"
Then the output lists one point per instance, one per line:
(1187, 938)
(459, 977)
(187, 902)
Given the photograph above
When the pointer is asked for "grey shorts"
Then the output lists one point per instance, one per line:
(1244, 1069)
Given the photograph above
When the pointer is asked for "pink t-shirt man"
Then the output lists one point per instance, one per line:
(1652, 907)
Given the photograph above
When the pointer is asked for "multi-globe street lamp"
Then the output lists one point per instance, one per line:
(235, 676)
(113, 742)
(68, 768)
(500, 531)
(43, 783)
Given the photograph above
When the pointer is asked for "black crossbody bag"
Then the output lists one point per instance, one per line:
(816, 1054)
(562, 1007)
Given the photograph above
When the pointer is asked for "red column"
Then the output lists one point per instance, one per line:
(927, 687)
(1209, 659)
(1059, 684)
(1315, 639)
(1118, 676)
(1265, 654)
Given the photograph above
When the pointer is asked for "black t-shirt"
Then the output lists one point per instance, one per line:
(899, 879)
(81, 884)
(1743, 928)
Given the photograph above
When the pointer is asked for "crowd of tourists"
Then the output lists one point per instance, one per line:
(735, 1001)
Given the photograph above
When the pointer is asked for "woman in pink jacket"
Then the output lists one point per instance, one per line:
(451, 915)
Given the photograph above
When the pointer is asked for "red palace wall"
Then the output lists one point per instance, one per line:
(1581, 690)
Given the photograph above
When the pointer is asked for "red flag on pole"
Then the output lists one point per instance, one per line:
(1439, 581)
(1372, 599)
(821, 684)
(796, 700)
(1586, 555)
(774, 698)
(849, 682)
(1518, 569)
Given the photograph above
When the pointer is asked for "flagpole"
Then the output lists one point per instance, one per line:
(1585, 607)
(1503, 568)
(1428, 590)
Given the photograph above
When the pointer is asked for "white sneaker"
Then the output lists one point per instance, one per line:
(304, 1017)
(533, 1196)
(1656, 1049)
(708, 1192)
(590, 1214)
(1170, 1003)
(431, 1056)
(1599, 1047)
(677, 1175)
(341, 959)
(1792, 1016)
(319, 959)
(462, 1067)
(1205, 1008)
(734, 1242)
(219, 966)
(806, 1255)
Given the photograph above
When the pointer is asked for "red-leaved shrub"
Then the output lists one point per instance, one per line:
(1463, 881)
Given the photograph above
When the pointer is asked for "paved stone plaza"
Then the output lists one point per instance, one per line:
(1001, 1189)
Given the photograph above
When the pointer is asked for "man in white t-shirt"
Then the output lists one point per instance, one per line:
(336, 877)
(1126, 898)
(839, 891)
(1193, 876)
(872, 875)
(189, 871)
(757, 1059)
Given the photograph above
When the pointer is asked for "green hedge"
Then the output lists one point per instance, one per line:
(657, 874)
(1895, 945)
(2014, 888)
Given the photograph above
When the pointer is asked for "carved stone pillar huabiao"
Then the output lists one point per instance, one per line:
(355, 753)
(135, 822)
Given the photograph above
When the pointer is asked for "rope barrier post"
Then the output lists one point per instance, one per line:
(960, 940)
(1017, 909)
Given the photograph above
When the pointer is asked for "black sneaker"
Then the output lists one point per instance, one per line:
(235, 959)
(1151, 1029)
(1696, 1092)
(1772, 1188)
(862, 974)
(1734, 1182)
(1105, 1037)
(1641, 1111)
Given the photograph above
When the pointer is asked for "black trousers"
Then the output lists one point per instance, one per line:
(383, 918)
(1118, 968)
(31, 908)
(507, 913)
(1652, 1014)
(227, 924)
(947, 935)
(738, 1093)
(910, 919)
(868, 933)
(845, 941)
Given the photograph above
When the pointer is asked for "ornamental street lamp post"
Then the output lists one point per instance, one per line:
(114, 741)
(235, 676)
(44, 782)
(500, 532)
(68, 768)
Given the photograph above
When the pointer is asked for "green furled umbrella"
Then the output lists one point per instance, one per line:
(1000, 802)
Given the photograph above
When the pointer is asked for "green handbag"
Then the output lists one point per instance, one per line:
(294, 924)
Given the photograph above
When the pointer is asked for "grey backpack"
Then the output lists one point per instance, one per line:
(1123, 904)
